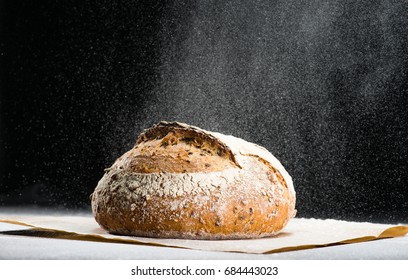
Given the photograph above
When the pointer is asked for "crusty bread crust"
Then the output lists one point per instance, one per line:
(180, 181)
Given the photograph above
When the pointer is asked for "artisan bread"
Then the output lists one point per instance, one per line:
(180, 181)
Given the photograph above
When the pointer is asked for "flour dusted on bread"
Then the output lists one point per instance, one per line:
(180, 181)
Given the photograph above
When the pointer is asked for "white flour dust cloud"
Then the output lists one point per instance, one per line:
(310, 81)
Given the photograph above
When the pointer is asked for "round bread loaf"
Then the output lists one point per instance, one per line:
(180, 181)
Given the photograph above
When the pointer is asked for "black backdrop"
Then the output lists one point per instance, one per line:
(321, 84)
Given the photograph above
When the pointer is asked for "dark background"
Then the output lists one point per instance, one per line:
(321, 84)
